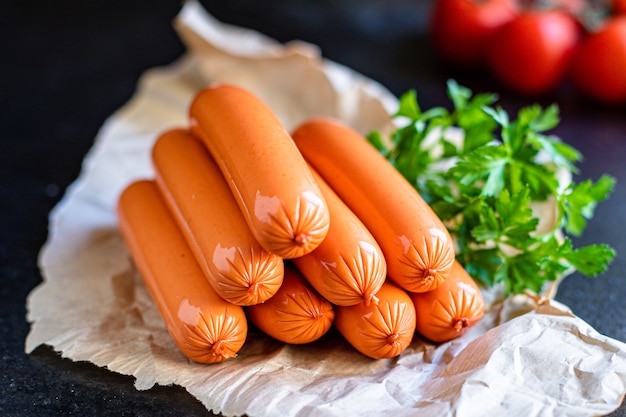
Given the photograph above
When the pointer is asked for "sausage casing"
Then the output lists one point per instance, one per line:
(205, 328)
(449, 310)
(348, 267)
(239, 269)
(379, 331)
(296, 314)
(418, 248)
(268, 176)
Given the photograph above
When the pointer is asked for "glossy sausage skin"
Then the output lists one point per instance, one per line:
(239, 269)
(379, 331)
(268, 176)
(206, 328)
(451, 309)
(417, 246)
(296, 314)
(348, 267)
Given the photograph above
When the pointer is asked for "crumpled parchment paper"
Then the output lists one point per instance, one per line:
(526, 358)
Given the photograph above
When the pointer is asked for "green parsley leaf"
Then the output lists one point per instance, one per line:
(408, 106)
(591, 260)
(580, 200)
(483, 187)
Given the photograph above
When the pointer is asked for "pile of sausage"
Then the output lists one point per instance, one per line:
(294, 232)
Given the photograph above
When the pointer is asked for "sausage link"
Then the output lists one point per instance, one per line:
(348, 267)
(205, 328)
(418, 248)
(239, 269)
(268, 176)
(449, 310)
(296, 314)
(379, 331)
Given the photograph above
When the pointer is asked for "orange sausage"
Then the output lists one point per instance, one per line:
(379, 331)
(205, 328)
(449, 310)
(417, 246)
(237, 267)
(296, 314)
(348, 267)
(268, 176)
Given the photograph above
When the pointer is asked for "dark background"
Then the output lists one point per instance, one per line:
(65, 66)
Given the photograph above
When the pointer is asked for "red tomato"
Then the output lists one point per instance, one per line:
(460, 29)
(599, 64)
(531, 53)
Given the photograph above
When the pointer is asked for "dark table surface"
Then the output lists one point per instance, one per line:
(65, 66)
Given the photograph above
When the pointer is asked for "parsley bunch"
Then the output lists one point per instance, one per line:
(484, 184)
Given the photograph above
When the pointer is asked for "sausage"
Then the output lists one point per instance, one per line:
(205, 328)
(418, 248)
(379, 331)
(296, 314)
(348, 267)
(449, 310)
(239, 269)
(268, 176)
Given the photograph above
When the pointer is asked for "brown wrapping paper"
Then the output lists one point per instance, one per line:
(530, 357)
